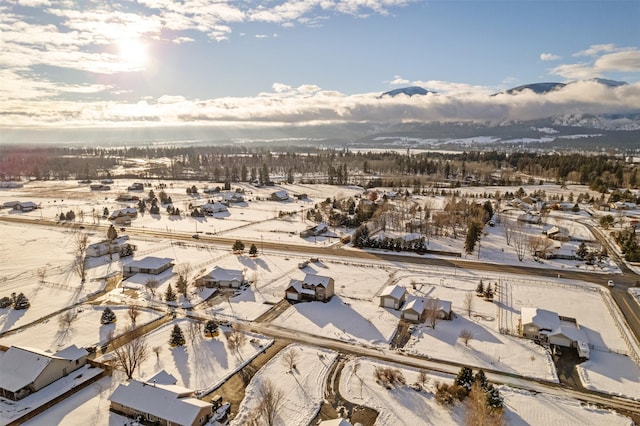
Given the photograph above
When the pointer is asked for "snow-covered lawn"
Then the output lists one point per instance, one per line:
(401, 405)
(84, 331)
(204, 362)
(303, 387)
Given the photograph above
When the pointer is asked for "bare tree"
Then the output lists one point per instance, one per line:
(270, 398)
(423, 378)
(151, 285)
(42, 274)
(465, 335)
(133, 313)
(79, 244)
(194, 330)
(519, 240)
(468, 303)
(183, 269)
(156, 350)
(131, 353)
(289, 358)
(235, 339)
(507, 227)
(431, 311)
(65, 320)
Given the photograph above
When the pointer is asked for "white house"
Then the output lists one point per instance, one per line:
(279, 196)
(211, 208)
(26, 370)
(222, 277)
(108, 247)
(393, 296)
(161, 401)
(416, 309)
(319, 229)
(148, 265)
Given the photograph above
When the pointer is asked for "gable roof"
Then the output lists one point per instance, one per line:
(317, 280)
(223, 274)
(540, 317)
(416, 305)
(21, 366)
(296, 285)
(395, 291)
(149, 262)
(163, 401)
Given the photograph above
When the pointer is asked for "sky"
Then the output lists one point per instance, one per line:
(85, 63)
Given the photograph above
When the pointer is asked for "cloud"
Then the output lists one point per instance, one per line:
(549, 57)
(309, 104)
(398, 81)
(614, 60)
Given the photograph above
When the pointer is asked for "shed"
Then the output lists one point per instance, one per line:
(393, 296)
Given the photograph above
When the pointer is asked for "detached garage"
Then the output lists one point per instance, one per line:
(393, 296)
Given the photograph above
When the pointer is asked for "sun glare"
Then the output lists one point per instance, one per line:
(133, 53)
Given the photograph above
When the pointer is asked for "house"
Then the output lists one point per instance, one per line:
(312, 288)
(148, 265)
(221, 277)
(160, 401)
(231, 197)
(319, 229)
(26, 206)
(393, 296)
(26, 370)
(129, 212)
(119, 245)
(548, 328)
(417, 309)
(106, 181)
(211, 208)
(279, 196)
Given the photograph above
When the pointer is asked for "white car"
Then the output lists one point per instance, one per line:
(610, 283)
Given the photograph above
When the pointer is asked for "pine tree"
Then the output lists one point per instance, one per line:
(108, 316)
(112, 234)
(494, 399)
(488, 292)
(238, 246)
(481, 379)
(253, 251)
(177, 338)
(480, 288)
(169, 295)
(464, 378)
(21, 302)
(211, 328)
(182, 286)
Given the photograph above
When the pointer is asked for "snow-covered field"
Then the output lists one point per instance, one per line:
(353, 314)
(302, 387)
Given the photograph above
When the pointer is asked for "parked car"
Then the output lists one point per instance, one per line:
(196, 236)
(610, 283)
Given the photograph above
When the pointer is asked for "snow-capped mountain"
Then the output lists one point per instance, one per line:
(409, 91)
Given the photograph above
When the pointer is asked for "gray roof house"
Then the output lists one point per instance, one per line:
(549, 328)
(160, 401)
(311, 288)
(222, 277)
(417, 308)
(148, 265)
(281, 195)
(26, 370)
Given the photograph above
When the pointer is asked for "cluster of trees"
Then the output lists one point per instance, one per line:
(18, 302)
(249, 163)
(486, 292)
(484, 405)
(628, 242)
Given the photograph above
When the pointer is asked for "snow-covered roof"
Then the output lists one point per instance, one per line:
(162, 401)
(149, 262)
(416, 305)
(316, 280)
(297, 286)
(222, 274)
(162, 378)
(20, 366)
(575, 334)
(394, 291)
(282, 194)
(214, 207)
(540, 317)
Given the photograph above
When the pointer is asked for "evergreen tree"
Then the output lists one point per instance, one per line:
(480, 288)
(182, 286)
(108, 316)
(62, 216)
(238, 246)
(169, 295)
(481, 379)
(253, 251)
(494, 399)
(21, 302)
(488, 292)
(105, 212)
(474, 230)
(465, 378)
(211, 328)
(5, 302)
(177, 338)
(112, 234)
